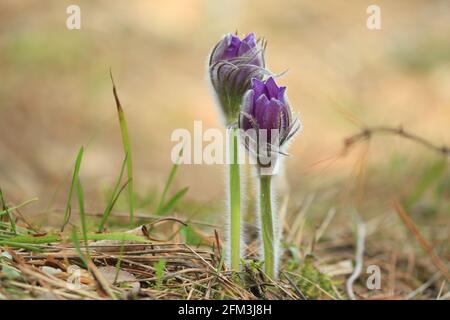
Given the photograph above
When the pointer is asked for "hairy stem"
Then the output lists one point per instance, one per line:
(235, 202)
(267, 229)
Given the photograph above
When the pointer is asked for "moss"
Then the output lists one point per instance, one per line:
(311, 282)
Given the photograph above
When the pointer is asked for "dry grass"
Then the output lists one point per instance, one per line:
(188, 274)
(130, 270)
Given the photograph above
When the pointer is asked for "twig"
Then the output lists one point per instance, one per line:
(424, 286)
(409, 223)
(296, 231)
(441, 290)
(445, 296)
(368, 132)
(325, 223)
(296, 288)
(359, 255)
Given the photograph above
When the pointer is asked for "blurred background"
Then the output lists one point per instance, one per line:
(55, 95)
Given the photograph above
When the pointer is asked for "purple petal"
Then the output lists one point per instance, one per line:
(260, 108)
(273, 114)
(250, 39)
(272, 88)
(271, 119)
(233, 44)
(258, 87)
(244, 48)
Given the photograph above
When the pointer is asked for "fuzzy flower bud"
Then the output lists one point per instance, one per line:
(266, 120)
(232, 64)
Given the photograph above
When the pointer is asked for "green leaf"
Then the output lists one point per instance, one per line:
(76, 244)
(8, 212)
(113, 198)
(76, 171)
(127, 150)
(90, 236)
(31, 239)
(120, 236)
(169, 181)
(80, 196)
(159, 272)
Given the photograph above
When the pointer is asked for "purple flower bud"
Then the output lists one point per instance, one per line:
(266, 110)
(232, 65)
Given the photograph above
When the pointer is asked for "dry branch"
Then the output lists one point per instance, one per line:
(369, 132)
(409, 223)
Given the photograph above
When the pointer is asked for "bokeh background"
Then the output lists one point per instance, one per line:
(55, 95)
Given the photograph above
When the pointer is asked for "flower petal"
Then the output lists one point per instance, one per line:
(250, 39)
(272, 88)
(260, 108)
(258, 87)
(245, 122)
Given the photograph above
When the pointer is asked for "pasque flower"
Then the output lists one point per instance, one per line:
(233, 63)
(268, 124)
(266, 110)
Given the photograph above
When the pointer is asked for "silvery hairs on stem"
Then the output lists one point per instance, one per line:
(233, 63)
(267, 125)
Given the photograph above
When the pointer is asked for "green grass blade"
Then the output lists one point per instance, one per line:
(76, 244)
(23, 204)
(117, 197)
(172, 201)
(159, 272)
(127, 150)
(19, 229)
(33, 240)
(170, 178)
(119, 236)
(8, 212)
(27, 239)
(80, 196)
(76, 171)
(20, 246)
(113, 198)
